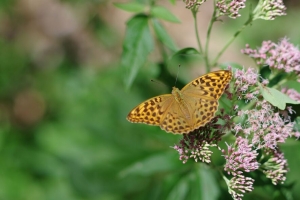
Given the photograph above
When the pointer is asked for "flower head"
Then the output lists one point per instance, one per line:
(282, 56)
(190, 4)
(238, 185)
(269, 9)
(275, 167)
(230, 8)
(196, 145)
(245, 84)
(240, 157)
(265, 127)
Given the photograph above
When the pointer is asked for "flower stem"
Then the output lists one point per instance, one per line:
(206, 59)
(250, 19)
(196, 30)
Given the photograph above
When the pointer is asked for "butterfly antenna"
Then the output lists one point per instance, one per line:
(177, 75)
(158, 82)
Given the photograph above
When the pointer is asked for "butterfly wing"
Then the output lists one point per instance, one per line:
(204, 110)
(185, 118)
(151, 111)
(209, 86)
(177, 119)
(202, 95)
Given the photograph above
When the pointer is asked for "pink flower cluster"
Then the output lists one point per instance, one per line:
(269, 9)
(245, 84)
(230, 8)
(282, 56)
(259, 127)
(239, 185)
(264, 128)
(241, 157)
(196, 145)
(193, 3)
(276, 159)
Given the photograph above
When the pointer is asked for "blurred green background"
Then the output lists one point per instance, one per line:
(63, 132)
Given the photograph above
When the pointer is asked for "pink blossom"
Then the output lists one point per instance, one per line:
(282, 56)
(240, 157)
(230, 8)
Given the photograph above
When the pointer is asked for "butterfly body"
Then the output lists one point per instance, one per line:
(184, 110)
(179, 99)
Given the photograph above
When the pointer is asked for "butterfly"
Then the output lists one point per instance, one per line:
(187, 109)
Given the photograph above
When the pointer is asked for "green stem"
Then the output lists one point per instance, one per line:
(206, 59)
(197, 32)
(232, 39)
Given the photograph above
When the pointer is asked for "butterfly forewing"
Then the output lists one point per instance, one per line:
(151, 111)
(209, 86)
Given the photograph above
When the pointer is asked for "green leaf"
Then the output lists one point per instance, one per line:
(293, 85)
(155, 163)
(186, 51)
(265, 72)
(131, 7)
(209, 186)
(198, 183)
(276, 98)
(137, 46)
(180, 190)
(163, 36)
(186, 54)
(297, 124)
(163, 13)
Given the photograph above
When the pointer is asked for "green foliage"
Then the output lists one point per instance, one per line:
(136, 47)
(131, 7)
(276, 98)
(163, 36)
(163, 13)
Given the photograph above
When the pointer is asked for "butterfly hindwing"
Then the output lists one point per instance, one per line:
(177, 119)
(204, 112)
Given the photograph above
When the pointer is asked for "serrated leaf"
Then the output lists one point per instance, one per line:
(163, 13)
(131, 7)
(163, 36)
(137, 46)
(275, 97)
